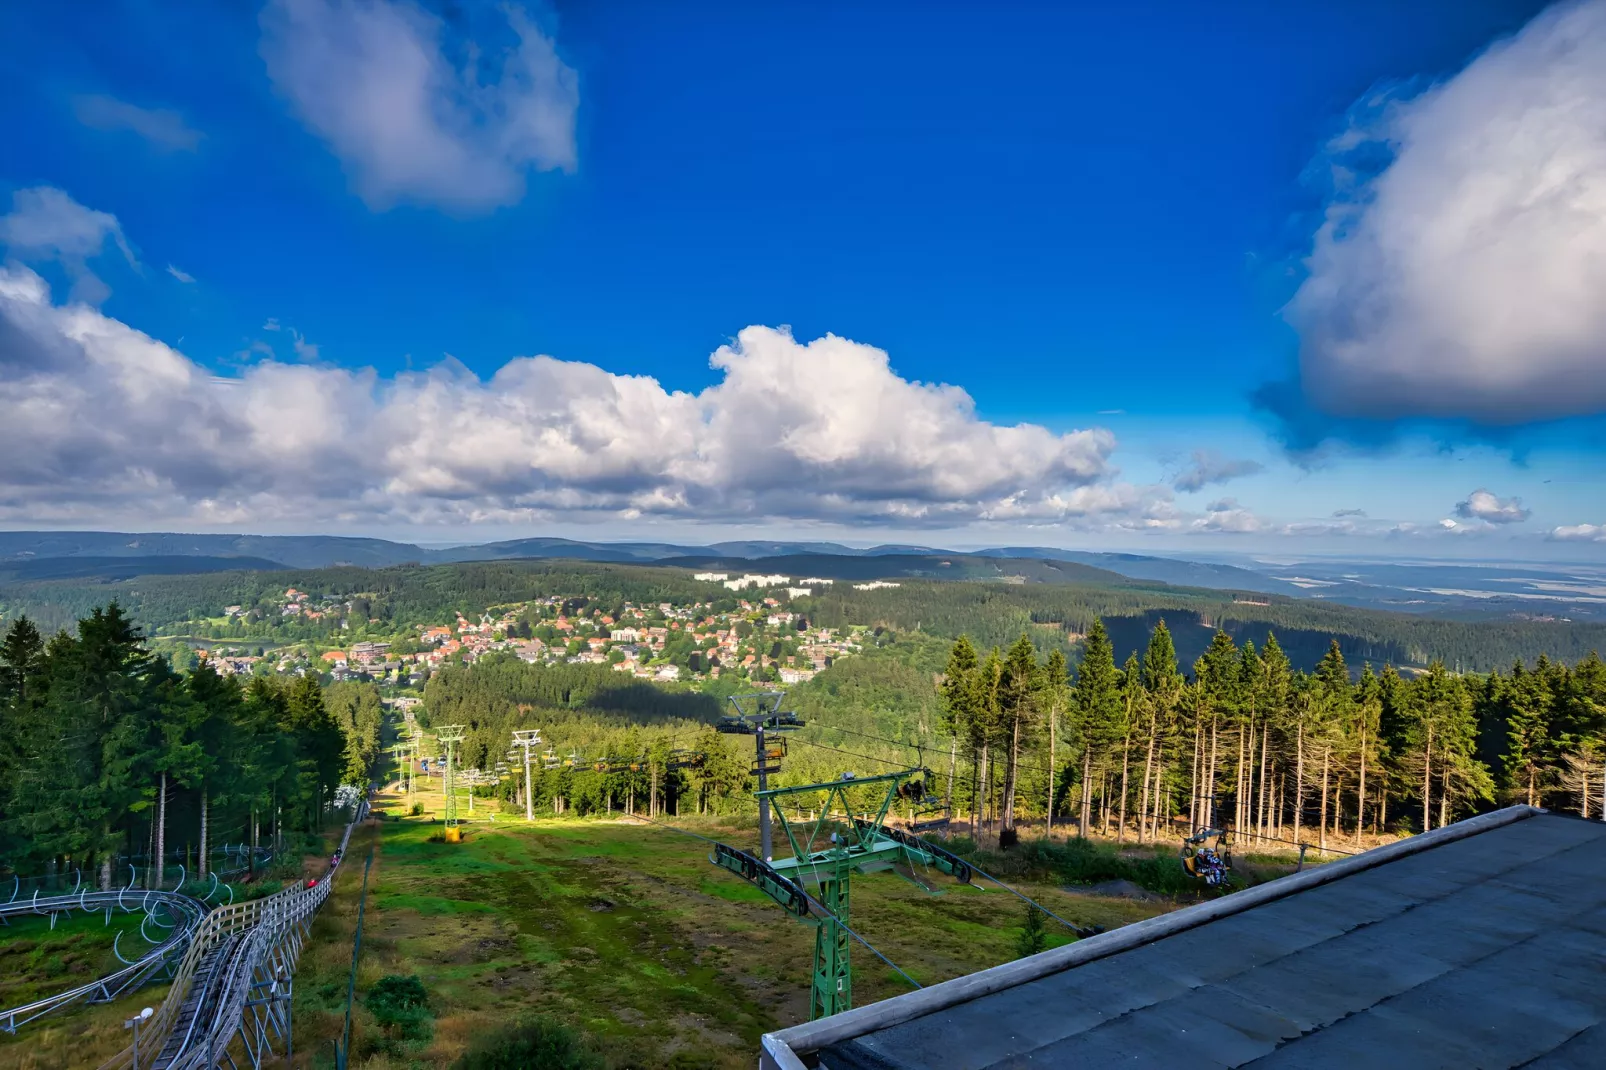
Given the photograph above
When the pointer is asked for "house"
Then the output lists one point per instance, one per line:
(796, 676)
(711, 577)
(875, 585)
(335, 657)
(755, 580)
(668, 672)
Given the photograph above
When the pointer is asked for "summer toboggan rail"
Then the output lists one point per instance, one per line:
(234, 983)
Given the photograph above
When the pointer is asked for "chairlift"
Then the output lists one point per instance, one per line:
(769, 762)
(685, 758)
(550, 760)
(929, 811)
(785, 722)
(734, 726)
(1212, 864)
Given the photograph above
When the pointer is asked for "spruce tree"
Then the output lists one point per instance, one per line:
(1097, 712)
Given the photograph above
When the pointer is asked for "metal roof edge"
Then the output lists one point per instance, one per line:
(781, 1050)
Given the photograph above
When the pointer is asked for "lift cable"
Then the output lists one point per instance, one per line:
(814, 904)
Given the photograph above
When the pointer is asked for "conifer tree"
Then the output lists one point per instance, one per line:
(1098, 712)
(1019, 701)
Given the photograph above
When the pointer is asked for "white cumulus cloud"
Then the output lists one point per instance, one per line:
(1464, 280)
(1485, 506)
(1226, 516)
(46, 224)
(1580, 533)
(100, 420)
(416, 113)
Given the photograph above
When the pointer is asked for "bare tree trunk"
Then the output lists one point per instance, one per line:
(980, 801)
(1209, 799)
(1126, 757)
(1011, 775)
(1193, 777)
(1087, 790)
(1148, 769)
(1161, 796)
(1338, 803)
(1299, 779)
(1053, 776)
(1382, 809)
(953, 769)
(1444, 794)
(1322, 838)
(1360, 791)
(161, 833)
(1427, 781)
(1104, 800)
(1265, 747)
(206, 811)
(1240, 791)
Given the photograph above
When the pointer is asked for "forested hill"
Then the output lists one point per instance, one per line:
(404, 597)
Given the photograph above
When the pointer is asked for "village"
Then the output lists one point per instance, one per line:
(758, 636)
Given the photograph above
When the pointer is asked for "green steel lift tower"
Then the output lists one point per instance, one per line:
(812, 885)
(450, 736)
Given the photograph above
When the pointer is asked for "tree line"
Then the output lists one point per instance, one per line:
(107, 753)
(1249, 742)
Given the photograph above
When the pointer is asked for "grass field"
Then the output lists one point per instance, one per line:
(620, 928)
(624, 930)
(36, 961)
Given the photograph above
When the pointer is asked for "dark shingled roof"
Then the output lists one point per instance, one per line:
(1482, 949)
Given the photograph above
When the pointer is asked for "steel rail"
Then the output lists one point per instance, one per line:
(244, 946)
(185, 911)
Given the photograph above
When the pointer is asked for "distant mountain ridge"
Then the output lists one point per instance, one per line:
(1447, 591)
(825, 559)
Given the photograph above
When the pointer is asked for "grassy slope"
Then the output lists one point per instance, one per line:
(626, 930)
(36, 961)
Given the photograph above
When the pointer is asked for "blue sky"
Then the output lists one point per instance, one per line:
(334, 227)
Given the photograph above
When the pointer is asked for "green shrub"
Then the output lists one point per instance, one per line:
(418, 809)
(1078, 861)
(401, 1006)
(532, 1044)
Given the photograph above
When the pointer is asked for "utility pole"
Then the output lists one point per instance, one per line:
(527, 738)
(756, 712)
